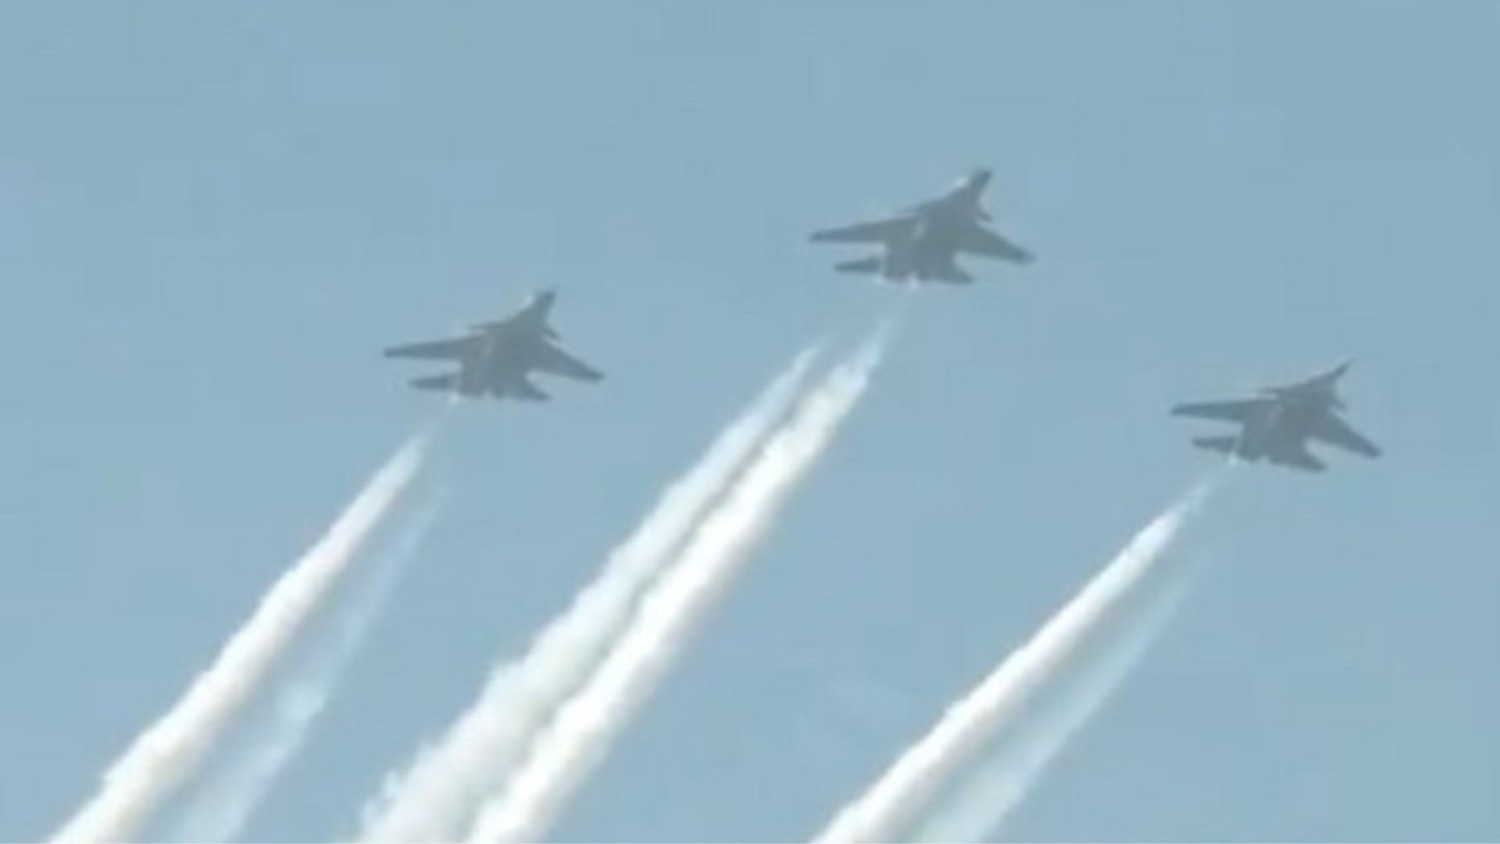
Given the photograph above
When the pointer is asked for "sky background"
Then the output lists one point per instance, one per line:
(214, 214)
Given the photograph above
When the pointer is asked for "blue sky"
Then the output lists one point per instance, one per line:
(212, 216)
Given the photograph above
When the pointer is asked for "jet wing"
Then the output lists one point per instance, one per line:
(1229, 411)
(454, 349)
(551, 359)
(981, 241)
(1335, 431)
(875, 231)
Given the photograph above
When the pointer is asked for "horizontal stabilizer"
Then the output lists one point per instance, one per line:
(1297, 458)
(440, 383)
(1223, 445)
(524, 389)
(946, 271)
(862, 266)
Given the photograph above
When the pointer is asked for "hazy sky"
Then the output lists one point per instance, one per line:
(213, 215)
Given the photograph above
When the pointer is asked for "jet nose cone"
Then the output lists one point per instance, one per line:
(980, 177)
(540, 300)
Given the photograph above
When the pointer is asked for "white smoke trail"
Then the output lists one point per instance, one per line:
(1013, 770)
(908, 788)
(437, 793)
(584, 728)
(222, 806)
(162, 757)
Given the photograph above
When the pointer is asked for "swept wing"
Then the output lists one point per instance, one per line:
(456, 348)
(1335, 431)
(981, 241)
(874, 231)
(1240, 410)
(550, 358)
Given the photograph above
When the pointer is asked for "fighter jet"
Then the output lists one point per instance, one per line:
(495, 358)
(920, 243)
(1280, 420)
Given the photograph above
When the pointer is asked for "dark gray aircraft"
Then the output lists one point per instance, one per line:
(921, 242)
(496, 358)
(1277, 423)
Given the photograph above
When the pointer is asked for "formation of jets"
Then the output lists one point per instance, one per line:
(917, 245)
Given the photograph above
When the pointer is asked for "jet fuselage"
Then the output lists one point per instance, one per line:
(496, 357)
(921, 242)
(1285, 423)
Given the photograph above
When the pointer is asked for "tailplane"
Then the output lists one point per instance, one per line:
(437, 383)
(522, 388)
(945, 271)
(1223, 445)
(862, 266)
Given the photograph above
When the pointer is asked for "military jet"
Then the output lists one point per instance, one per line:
(1278, 423)
(920, 243)
(495, 358)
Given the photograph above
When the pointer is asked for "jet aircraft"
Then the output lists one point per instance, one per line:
(1277, 423)
(920, 243)
(496, 358)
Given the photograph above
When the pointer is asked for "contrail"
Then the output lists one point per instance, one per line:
(997, 789)
(583, 729)
(909, 787)
(161, 759)
(436, 795)
(222, 806)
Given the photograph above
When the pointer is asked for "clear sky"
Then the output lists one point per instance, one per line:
(213, 215)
